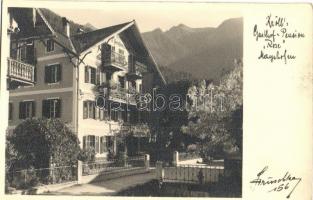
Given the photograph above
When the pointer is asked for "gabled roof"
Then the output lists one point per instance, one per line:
(78, 43)
(54, 22)
(25, 19)
(84, 41)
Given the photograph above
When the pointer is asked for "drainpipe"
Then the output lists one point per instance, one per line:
(76, 66)
(77, 95)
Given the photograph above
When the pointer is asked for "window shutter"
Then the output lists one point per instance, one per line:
(35, 74)
(48, 74)
(88, 141)
(97, 144)
(97, 113)
(85, 110)
(105, 143)
(92, 106)
(86, 74)
(58, 108)
(20, 110)
(101, 114)
(45, 109)
(10, 111)
(59, 71)
(101, 144)
(33, 108)
(84, 142)
(98, 76)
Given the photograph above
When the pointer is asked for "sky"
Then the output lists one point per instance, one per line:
(150, 16)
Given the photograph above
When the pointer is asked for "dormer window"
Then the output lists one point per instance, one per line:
(50, 45)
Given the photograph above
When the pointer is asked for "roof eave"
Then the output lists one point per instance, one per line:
(113, 34)
(150, 55)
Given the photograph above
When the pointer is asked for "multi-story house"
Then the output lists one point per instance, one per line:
(58, 70)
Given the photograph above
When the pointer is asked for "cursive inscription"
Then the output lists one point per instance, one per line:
(286, 182)
(274, 37)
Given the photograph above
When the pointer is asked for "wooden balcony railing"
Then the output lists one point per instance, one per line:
(117, 93)
(21, 71)
(123, 94)
(137, 130)
(116, 60)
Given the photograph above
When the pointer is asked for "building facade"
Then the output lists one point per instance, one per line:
(91, 80)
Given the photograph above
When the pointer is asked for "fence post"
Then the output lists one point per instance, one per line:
(175, 158)
(79, 171)
(147, 161)
(159, 171)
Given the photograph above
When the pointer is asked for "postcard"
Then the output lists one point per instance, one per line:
(103, 99)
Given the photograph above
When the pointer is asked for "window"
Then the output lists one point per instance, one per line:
(53, 73)
(51, 108)
(91, 141)
(110, 142)
(10, 111)
(104, 114)
(50, 45)
(90, 75)
(89, 109)
(140, 88)
(22, 53)
(103, 144)
(121, 81)
(93, 72)
(114, 115)
(27, 109)
(108, 76)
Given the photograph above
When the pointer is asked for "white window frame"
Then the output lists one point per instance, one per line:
(29, 113)
(54, 107)
(55, 74)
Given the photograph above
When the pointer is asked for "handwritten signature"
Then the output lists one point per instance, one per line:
(277, 184)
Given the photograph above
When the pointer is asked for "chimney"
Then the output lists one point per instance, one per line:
(66, 27)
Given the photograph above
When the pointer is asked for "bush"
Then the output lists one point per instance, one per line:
(41, 143)
(87, 155)
(121, 159)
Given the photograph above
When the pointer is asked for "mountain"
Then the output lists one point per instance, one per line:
(203, 52)
(90, 26)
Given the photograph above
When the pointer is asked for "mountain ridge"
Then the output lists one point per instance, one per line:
(205, 52)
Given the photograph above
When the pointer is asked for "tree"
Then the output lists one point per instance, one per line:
(215, 114)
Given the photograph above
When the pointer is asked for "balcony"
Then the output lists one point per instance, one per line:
(136, 71)
(137, 130)
(123, 95)
(116, 93)
(20, 73)
(115, 61)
